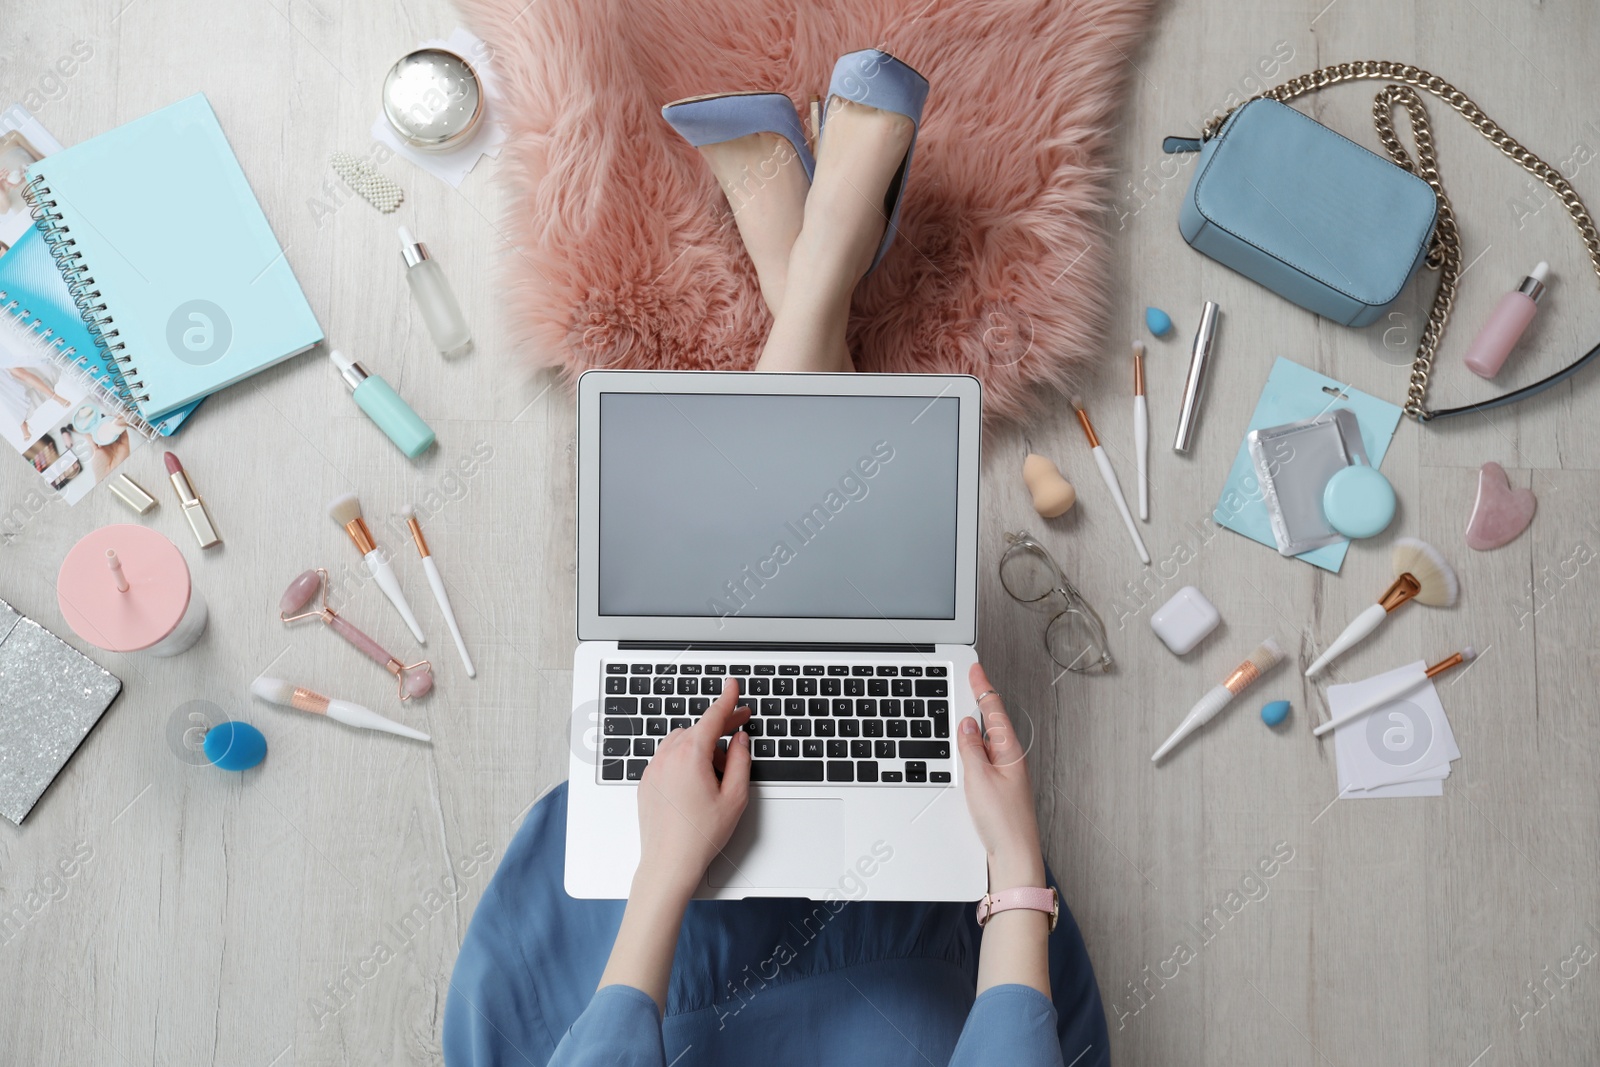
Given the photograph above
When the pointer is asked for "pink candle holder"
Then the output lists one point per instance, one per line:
(126, 588)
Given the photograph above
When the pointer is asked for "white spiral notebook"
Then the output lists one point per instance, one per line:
(169, 258)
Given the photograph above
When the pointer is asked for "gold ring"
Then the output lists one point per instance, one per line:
(981, 697)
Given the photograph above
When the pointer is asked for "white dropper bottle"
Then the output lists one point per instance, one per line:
(437, 303)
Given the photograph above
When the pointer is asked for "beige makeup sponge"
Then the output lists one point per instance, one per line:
(1052, 494)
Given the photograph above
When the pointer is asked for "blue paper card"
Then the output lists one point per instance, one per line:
(1293, 393)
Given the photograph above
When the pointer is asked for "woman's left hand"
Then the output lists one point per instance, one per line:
(994, 770)
(686, 815)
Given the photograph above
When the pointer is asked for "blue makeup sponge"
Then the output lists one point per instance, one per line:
(1274, 713)
(235, 746)
(1159, 322)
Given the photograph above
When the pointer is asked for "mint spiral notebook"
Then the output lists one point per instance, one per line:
(41, 305)
(167, 256)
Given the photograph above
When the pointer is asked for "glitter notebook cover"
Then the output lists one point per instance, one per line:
(51, 695)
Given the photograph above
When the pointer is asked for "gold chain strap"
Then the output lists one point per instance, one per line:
(1444, 252)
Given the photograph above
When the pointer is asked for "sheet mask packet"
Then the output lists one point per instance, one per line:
(1293, 393)
(1294, 463)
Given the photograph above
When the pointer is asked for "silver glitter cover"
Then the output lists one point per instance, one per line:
(51, 695)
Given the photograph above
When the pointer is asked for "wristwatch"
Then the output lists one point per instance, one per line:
(1028, 898)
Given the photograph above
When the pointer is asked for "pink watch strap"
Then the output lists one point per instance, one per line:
(1030, 898)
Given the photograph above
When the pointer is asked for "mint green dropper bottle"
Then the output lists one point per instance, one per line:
(384, 406)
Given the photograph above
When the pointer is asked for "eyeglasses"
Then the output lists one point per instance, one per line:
(1075, 637)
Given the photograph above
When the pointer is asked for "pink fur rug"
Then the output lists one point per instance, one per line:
(626, 255)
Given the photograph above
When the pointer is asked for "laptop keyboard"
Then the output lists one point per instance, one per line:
(825, 723)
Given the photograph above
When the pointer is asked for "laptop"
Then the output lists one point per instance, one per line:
(813, 536)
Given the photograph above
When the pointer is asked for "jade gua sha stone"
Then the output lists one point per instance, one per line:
(1500, 513)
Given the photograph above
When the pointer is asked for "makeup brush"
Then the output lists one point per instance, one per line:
(434, 580)
(346, 511)
(1141, 431)
(1110, 477)
(1262, 660)
(1421, 574)
(278, 691)
(1397, 690)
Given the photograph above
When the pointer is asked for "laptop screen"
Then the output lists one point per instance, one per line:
(745, 505)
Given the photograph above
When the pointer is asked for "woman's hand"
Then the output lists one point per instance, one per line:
(999, 793)
(1000, 797)
(685, 814)
(685, 818)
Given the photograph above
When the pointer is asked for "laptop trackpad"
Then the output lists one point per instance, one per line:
(783, 843)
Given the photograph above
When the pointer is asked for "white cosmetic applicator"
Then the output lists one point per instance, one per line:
(1141, 431)
(1267, 656)
(1110, 476)
(346, 511)
(437, 583)
(278, 691)
(1396, 690)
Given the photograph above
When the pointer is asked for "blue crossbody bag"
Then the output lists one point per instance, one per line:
(1337, 229)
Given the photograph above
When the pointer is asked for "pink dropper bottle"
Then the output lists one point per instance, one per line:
(1510, 317)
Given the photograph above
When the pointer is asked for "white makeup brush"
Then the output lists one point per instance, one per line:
(278, 691)
(1262, 660)
(1420, 574)
(1141, 431)
(1397, 690)
(437, 583)
(1110, 476)
(346, 511)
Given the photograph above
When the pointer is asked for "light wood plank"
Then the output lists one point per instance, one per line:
(231, 920)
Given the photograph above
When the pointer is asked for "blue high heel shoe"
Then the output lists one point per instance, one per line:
(703, 120)
(877, 79)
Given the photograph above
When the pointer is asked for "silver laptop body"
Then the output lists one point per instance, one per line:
(815, 537)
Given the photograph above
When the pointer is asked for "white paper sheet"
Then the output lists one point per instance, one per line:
(1441, 772)
(1403, 748)
(1431, 787)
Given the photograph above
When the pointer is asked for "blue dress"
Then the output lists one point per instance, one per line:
(774, 982)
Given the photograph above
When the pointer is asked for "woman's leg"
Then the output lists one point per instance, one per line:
(861, 149)
(765, 184)
(33, 380)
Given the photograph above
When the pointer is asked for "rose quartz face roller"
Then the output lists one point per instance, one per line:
(413, 679)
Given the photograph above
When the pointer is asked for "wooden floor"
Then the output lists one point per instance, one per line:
(226, 920)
